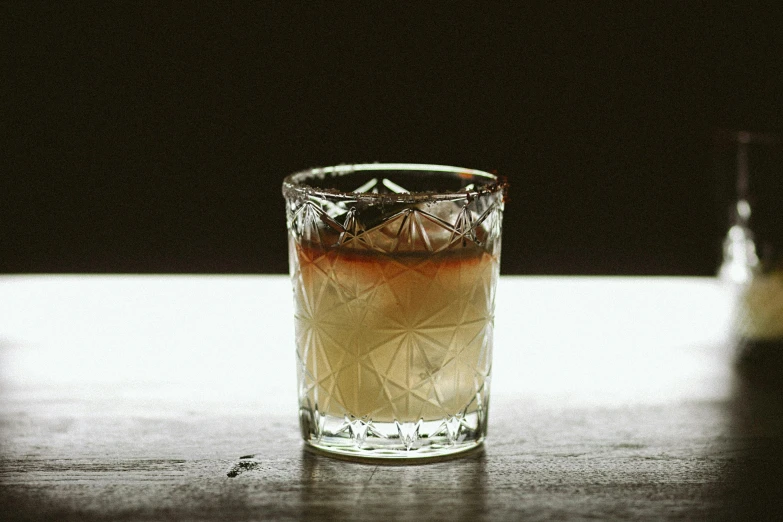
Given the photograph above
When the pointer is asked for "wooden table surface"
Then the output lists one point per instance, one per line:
(173, 398)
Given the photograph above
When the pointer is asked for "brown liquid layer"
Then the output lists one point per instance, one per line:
(394, 337)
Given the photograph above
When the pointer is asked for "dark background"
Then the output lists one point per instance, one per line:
(153, 137)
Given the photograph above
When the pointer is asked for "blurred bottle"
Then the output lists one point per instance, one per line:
(750, 167)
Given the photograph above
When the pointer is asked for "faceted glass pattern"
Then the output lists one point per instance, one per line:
(394, 306)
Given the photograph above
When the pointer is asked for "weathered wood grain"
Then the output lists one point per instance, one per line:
(137, 399)
(691, 460)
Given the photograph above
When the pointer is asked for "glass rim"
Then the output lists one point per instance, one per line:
(297, 182)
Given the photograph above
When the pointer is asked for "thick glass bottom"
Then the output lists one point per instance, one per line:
(365, 439)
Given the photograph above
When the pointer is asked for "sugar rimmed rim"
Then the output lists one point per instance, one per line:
(297, 182)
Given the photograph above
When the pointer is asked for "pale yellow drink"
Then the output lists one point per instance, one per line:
(394, 337)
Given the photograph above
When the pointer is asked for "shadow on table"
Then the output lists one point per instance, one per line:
(335, 490)
(755, 477)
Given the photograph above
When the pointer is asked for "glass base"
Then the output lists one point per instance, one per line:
(408, 441)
